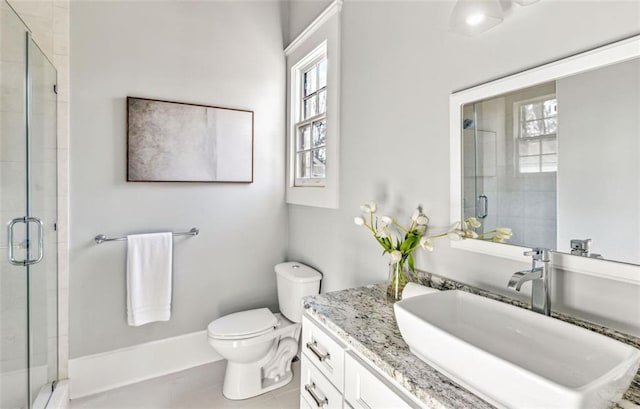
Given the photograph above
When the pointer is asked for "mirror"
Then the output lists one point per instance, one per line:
(554, 154)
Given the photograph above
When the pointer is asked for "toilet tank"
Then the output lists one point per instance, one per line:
(295, 280)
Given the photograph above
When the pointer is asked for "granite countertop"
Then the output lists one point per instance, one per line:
(364, 319)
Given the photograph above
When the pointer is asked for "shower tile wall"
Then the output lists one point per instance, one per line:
(49, 22)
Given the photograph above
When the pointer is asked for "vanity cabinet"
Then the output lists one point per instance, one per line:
(365, 388)
(335, 376)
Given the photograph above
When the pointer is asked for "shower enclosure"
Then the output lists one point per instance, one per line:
(28, 199)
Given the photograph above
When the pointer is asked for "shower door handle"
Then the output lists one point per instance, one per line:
(483, 206)
(26, 220)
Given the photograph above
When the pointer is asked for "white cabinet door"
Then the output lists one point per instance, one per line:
(316, 389)
(365, 389)
(326, 352)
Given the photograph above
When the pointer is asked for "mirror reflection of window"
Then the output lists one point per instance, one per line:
(536, 128)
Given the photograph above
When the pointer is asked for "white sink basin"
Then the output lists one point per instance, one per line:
(514, 357)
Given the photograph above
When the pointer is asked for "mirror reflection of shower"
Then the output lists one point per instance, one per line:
(510, 164)
(480, 170)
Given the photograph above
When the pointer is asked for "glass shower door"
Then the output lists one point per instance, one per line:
(14, 335)
(42, 208)
(28, 198)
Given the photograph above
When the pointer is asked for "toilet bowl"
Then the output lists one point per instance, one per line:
(259, 345)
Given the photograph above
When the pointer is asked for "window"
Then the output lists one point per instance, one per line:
(536, 135)
(311, 124)
(313, 112)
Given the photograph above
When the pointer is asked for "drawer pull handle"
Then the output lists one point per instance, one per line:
(311, 390)
(313, 347)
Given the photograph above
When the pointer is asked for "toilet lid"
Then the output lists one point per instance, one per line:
(243, 324)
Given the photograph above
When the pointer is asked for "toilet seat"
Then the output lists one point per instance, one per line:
(243, 324)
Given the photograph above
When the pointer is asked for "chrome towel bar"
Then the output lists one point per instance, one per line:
(101, 238)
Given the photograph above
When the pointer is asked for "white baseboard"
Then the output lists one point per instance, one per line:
(112, 369)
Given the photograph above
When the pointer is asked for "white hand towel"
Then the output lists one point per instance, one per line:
(149, 260)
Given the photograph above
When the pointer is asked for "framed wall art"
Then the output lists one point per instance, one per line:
(181, 142)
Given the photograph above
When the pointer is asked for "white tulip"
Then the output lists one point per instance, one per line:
(366, 208)
(383, 233)
(422, 220)
(504, 231)
(426, 244)
(359, 221)
(455, 235)
(373, 206)
(473, 222)
(386, 220)
(395, 256)
(455, 226)
(470, 234)
(415, 215)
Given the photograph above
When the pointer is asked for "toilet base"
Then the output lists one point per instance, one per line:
(244, 382)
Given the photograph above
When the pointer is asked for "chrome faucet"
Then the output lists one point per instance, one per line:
(540, 277)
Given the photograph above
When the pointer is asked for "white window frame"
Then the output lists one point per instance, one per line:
(322, 33)
(297, 111)
(517, 133)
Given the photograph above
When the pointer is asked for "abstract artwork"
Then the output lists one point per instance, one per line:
(179, 142)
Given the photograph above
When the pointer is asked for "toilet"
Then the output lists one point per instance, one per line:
(258, 344)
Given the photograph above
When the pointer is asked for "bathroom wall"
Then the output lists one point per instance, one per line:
(399, 66)
(226, 54)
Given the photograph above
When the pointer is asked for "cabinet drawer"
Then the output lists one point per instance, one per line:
(365, 389)
(326, 352)
(316, 389)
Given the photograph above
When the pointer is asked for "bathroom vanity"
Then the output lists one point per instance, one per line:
(353, 356)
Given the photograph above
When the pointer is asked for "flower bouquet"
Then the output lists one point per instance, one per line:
(399, 241)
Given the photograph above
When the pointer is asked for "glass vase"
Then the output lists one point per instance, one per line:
(397, 280)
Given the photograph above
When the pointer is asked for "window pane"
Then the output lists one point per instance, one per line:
(550, 108)
(319, 133)
(322, 74)
(304, 165)
(551, 125)
(531, 111)
(529, 164)
(310, 81)
(322, 102)
(532, 128)
(550, 145)
(528, 147)
(304, 138)
(310, 107)
(549, 163)
(319, 163)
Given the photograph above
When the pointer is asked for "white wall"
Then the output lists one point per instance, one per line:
(599, 144)
(225, 54)
(399, 66)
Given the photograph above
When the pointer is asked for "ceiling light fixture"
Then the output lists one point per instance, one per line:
(475, 19)
(472, 17)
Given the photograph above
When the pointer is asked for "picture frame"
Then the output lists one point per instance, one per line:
(170, 141)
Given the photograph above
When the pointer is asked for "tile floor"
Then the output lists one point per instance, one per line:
(196, 388)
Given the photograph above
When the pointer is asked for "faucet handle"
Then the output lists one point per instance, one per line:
(538, 253)
(534, 252)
